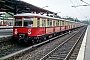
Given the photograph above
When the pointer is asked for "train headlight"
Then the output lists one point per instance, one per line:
(29, 31)
(15, 31)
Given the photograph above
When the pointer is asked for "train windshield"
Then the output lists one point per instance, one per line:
(28, 22)
(18, 22)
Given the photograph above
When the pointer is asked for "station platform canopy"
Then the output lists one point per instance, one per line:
(18, 6)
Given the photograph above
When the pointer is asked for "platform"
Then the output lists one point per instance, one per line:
(6, 33)
(3, 36)
(84, 52)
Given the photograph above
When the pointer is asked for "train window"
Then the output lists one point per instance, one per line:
(69, 23)
(65, 23)
(50, 21)
(62, 23)
(43, 22)
(53, 22)
(38, 22)
(47, 22)
(57, 23)
(18, 22)
(28, 22)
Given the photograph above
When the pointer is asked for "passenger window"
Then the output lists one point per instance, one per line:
(57, 23)
(50, 21)
(54, 23)
(38, 22)
(62, 23)
(43, 22)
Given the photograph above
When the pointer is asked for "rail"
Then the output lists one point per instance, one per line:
(28, 48)
(51, 52)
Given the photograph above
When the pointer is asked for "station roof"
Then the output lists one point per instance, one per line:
(18, 6)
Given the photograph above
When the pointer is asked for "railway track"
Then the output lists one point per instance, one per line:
(5, 39)
(8, 47)
(74, 53)
(20, 52)
(64, 50)
(38, 53)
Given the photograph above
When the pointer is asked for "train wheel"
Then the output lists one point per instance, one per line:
(40, 40)
(36, 41)
(45, 38)
(25, 40)
(19, 41)
(33, 42)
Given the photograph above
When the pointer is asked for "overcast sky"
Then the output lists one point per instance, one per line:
(64, 6)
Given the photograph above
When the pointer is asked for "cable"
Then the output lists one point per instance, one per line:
(76, 9)
(85, 2)
(77, 2)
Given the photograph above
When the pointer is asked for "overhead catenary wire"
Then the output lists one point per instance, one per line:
(76, 8)
(85, 2)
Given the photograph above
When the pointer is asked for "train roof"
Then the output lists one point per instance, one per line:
(38, 15)
(35, 15)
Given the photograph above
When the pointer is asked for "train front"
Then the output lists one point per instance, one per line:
(22, 28)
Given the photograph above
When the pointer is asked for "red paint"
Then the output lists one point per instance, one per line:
(49, 30)
(57, 29)
(62, 28)
(34, 31)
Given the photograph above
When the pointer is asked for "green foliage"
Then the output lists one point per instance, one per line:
(69, 18)
(6, 16)
(86, 22)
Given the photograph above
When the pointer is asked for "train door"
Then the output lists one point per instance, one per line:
(44, 25)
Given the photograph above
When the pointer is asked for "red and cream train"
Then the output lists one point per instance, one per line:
(36, 28)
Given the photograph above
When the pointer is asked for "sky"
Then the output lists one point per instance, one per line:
(65, 7)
